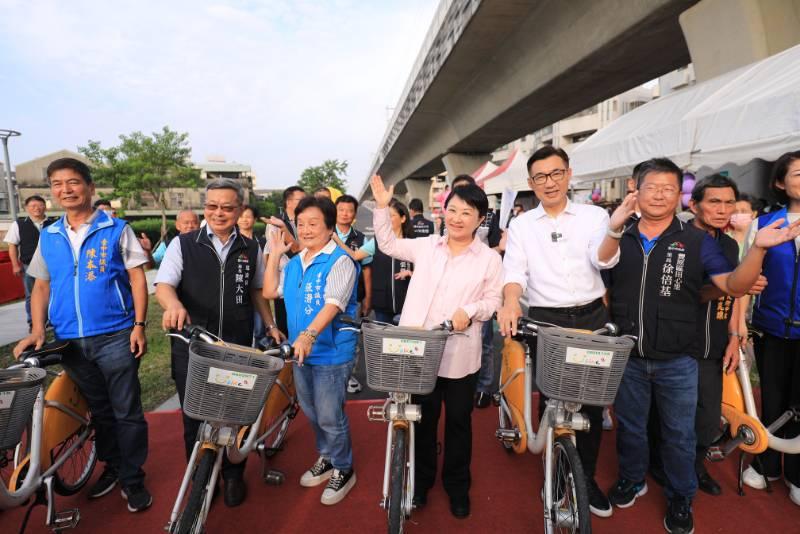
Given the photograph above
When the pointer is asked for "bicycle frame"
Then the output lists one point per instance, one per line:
(56, 416)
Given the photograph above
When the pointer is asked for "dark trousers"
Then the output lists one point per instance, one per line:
(588, 443)
(778, 362)
(180, 367)
(707, 415)
(107, 374)
(280, 316)
(27, 282)
(457, 396)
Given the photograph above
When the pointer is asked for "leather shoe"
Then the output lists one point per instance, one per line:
(708, 484)
(459, 507)
(483, 400)
(420, 499)
(235, 492)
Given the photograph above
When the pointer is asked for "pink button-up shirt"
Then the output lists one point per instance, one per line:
(443, 283)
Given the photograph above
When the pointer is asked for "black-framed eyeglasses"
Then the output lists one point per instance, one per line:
(541, 177)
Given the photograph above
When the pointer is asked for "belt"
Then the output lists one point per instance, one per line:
(574, 310)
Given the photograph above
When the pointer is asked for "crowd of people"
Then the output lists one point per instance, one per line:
(689, 292)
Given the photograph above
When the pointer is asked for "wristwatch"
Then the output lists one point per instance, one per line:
(143, 324)
(614, 235)
(270, 327)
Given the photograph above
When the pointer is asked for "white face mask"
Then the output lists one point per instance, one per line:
(741, 221)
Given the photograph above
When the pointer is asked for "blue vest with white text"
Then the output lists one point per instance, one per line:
(304, 295)
(90, 294)
(780, 301)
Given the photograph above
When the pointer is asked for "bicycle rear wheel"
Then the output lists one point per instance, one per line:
(570, 509)
(189, 518)
(398, 481)
(77, 469)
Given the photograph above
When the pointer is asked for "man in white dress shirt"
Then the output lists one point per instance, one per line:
(554, 255)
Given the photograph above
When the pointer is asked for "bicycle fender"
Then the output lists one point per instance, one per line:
(57, 425)
(514, 393)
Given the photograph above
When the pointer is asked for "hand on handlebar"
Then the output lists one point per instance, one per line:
(730, 361)
(175, 316)
(302, 348)
(507, 318)
(277, 335)
(461, 320)
(36, 340)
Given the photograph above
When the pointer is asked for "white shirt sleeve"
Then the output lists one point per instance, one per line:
(515, 260)
(171, 270)
(600, 225)
(258, 283)
(133, 255)
(37, 268)
(340, 283)
(12, 236)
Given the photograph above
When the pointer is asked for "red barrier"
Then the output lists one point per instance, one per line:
(11, 287)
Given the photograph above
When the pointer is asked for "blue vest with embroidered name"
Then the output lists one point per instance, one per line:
(90, 294)
(304, 295)
(779, 304)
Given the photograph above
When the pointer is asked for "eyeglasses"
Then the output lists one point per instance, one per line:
(226, 209)
(541, 178)
(666, 190)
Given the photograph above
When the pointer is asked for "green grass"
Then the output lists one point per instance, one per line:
(154, 372)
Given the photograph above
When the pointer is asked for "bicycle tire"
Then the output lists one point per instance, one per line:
(397, 483)
(81, 461)
(569, 487)
(187, 520)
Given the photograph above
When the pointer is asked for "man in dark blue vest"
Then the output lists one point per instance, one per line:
(88, 266)
(212, 277)
(420, 226)
(655, 296)
(22, 239)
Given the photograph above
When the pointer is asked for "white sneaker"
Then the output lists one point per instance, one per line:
(317, 474)
(338, 487)
(353, 385)
(794, 493)
(753, 479)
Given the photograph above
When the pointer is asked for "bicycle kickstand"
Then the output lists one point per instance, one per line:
(741, 474)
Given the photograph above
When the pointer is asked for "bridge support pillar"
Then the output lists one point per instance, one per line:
(418, 188)
(742, 32)
(456, 164)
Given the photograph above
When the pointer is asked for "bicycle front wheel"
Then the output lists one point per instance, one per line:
(77, 469)
(570, 508)
(189, 519)
(398, 481)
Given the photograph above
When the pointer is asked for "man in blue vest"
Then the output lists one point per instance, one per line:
(88, 267)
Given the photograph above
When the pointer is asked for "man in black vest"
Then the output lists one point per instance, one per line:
(212, 277)
(22, 239)
(420, 226)
(655, 296)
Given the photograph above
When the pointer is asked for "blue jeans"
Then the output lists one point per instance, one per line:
(321, 390)
(673, 383)
(107, 374)
(27, 282)
(486, 379)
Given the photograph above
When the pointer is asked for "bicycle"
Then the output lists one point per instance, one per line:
(46, 439)
(573, 368)
(230, 388)
(402, 362)
(741, 427)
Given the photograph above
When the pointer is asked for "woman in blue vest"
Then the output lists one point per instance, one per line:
(777, 315)
(318, 286)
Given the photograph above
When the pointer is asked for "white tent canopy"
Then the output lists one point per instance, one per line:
(512, 174)
(483, 171)
(752, 112)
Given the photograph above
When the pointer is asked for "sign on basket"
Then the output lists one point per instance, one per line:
(234, 379)
(589, 357)
(403, 347)
(6, 398)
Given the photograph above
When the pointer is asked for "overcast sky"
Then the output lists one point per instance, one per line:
(277, 84)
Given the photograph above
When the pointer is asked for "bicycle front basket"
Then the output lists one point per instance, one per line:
(18, 390)
(402, 359)
(228, 383)
(577, 367)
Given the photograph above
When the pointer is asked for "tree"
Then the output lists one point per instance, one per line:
(271, 205)
(141, 163)
(330, 174)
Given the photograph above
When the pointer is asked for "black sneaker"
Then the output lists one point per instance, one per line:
(338, 487)
(598, 502)
(317, 474)
(108, 479)
(679, 516)
(624, 492)
(138, 497)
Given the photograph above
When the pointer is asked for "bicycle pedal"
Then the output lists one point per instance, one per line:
(66, 519)
(715, 454)
(273, 477)
(496, 399)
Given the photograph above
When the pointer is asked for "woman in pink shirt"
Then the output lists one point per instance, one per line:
(457, 278)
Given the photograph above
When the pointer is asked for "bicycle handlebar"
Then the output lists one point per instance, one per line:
(530, 327)
(355, 324)
(191, 332)
(45, 356)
